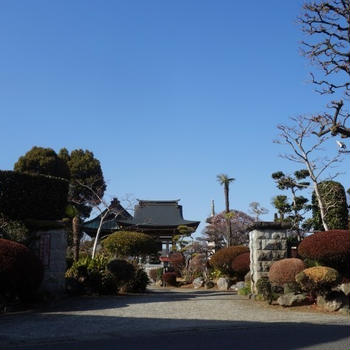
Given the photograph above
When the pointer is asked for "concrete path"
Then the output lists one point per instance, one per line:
(162, 311)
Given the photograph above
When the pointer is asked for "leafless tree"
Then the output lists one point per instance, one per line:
(300, 137)
(256, 209)
(327, 25)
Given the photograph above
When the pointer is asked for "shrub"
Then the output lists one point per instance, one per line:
(284, 271)
(15, 230)
(222, 259)
(125, 244)
(169, 278)
(156, 274)
(24, 196)
(264, 288)
(93, 275)
(317, 279)
(241, 264)
(139, 282)
(333, 195)
(330, 248)
(21, 272)
(177, 262)
(122, 270)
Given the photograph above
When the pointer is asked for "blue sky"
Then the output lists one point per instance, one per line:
(167, 94)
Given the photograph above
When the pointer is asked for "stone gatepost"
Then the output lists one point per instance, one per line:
(51, 246)
(267, 243)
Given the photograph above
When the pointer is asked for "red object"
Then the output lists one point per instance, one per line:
(164, 259)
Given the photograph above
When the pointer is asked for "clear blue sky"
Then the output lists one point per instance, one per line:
(167, 94)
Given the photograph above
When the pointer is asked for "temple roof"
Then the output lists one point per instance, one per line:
(109, 224)
(157, 214)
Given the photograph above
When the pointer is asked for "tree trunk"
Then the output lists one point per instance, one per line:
(76, 237)
(321, 205)
(227, 200)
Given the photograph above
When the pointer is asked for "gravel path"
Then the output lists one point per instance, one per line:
(160, 310)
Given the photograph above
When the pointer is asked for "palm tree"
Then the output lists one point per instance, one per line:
(225, 181)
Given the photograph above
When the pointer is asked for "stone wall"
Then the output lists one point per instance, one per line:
(51, 247)
(267, 243)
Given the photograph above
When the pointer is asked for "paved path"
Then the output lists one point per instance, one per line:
(161, 313)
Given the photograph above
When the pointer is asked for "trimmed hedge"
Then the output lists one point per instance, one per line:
(330, 248)
(223, 258)
(21, 272)
(318, 279)
(241, 264)
(285, 270)
(24, 196)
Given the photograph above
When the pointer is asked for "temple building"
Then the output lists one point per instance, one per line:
(159, 218)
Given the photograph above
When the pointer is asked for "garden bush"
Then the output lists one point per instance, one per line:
(40, 197)
(177, 262)
(285, 270)
(139, 281)
(318, 279)
(126, 244)
(93, 276)
(241, 264)
(122, 270)
(169, 278)
(329, 248)
(21, 272)
(264, 288)
(15, 230)
(223, 258)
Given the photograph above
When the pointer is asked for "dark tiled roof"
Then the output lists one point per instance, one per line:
(158, 214)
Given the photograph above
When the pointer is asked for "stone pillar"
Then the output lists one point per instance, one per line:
(51, 248)
(267, 243)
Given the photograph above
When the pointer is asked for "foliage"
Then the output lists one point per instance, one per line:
(318, 279)
(156, 274)
(244, 291)
(216, 230)
(285, 270)
(177, 262)
(330, 248)
(42, 161)
(125, 244)
(93, 275)
(21, 272)
(241, 264)
(24, 196)
(334, 199)
(86, 179)
(169, 278)
(122, 270)
(15, 230)
(222, 259)
(139, 282)
(264, 288)
(291, 211)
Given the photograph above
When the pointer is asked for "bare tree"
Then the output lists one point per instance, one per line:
(256, 209)
(300, 138)
(327, 24)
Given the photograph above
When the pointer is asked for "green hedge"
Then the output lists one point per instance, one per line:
(24, 196)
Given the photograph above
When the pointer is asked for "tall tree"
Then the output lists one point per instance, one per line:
(87, 187)
(298, 207)
(300, 138)
(225, 181)
(327, 25)
(40, 160)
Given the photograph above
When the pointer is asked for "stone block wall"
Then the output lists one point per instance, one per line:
(267, 243)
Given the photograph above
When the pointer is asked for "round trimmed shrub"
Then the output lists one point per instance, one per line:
(169, 278)
(222, 259)
(330, 248)
(317, 279)
(125, 244)
(21, 271)
(241, 264)
(139, 282)
(285, 270)
(122, 270)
